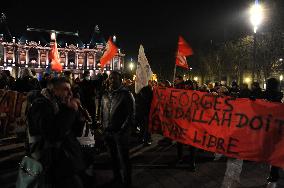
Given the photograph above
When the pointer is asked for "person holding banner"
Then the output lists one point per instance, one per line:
(273, 94)
(180, 84)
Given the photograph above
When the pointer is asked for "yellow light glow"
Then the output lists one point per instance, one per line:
(281, 77)
(53, 36)
(154, 77)
(195, 78)
(131, 66)
(247, 80)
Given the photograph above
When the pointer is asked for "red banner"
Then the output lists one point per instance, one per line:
(238, 128)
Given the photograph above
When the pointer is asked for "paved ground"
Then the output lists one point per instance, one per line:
(155, 166)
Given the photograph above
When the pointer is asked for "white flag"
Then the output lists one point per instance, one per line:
(143, 71)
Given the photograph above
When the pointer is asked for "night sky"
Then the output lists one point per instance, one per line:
(155, 24)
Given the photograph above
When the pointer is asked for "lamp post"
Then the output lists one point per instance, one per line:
(281, 78)
(255, 19)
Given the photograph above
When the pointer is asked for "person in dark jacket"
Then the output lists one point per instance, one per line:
(143, 106)
(54, 122)
(118, 107)
(273, 94)
(45, 80)
(256, 91)
(180, 84)
(87, 91)
(26, 82)
(234, 90)
(245, 91)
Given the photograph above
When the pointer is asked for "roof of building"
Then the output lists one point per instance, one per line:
(43, 35)
(36, 36)
(63, 39)
(97, 38)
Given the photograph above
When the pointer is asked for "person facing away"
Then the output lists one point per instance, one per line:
(53, 124)
(256, 91)
(118, 107)
(273, 94)
(245, 91)
(143, 106)
(234, 90)
(26, 82)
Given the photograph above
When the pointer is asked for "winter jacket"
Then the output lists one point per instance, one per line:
(118, 109)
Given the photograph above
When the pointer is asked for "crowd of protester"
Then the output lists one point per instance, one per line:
(60, 106)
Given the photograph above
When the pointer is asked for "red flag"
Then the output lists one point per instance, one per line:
(110, 52)
(183, 50)
(55, 62)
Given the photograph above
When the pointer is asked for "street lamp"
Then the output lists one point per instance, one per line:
(131, 64)
(256, 16)
(247, 80)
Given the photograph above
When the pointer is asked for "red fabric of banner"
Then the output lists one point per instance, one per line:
(238, 128)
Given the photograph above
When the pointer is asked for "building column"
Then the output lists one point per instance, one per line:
(14, 55)
(27, 57)
(19, 54)
(47, 58)
(66, 59)
(38, 58)
(5, 55)
(87, 62)
(76, 60)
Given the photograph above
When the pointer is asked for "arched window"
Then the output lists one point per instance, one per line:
(71, 59)
(33, 57)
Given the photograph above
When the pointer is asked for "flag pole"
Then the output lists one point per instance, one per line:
(175, 69)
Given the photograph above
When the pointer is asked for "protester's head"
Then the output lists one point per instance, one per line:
(244, 86)
(217, 84)
(26, 72)
(178, 80)
(7, 72)
(46, 76)
(115, 80)
(204, 88)
(188, 84)
(61, 89)
(195, 85)
(86, 75)
(272, 84)
(255, 85)
(234, 84)
(223, 91)
(77, 80)
(67, 73)
(210, 85)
